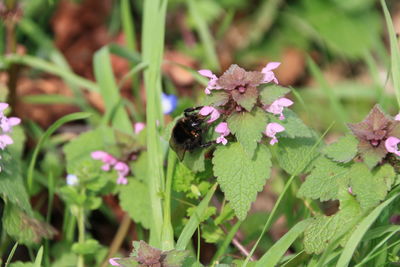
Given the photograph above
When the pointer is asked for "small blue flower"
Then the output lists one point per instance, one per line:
(72, 179)
(169, 103)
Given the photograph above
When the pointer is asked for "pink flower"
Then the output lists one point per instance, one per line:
(397, 117)
(5, 140)
(272, 129)
(223, 130)
(391, 145)
(278, 105)
(3, 106)
(122, 168)
(268, 74)
(208, 110)
(350, 190)
(6, 124)
(106, 158)
(212, 83)
(113, 262)
(139, 126)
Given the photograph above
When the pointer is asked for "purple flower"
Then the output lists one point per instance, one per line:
(391, 145)
(223, 130)
(123, 169)
(268, 73)
(169, 103)
(106, 158)
(208, 110)
(397, 117)
(72, 179)
(278, 105)
(272, 129)
(113, 262)
(212, 83)
(139, 126)
(5, 140)
(6, 124)
(3, 106)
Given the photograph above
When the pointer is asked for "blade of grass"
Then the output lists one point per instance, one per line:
(274, 254)
(152, 53)
(10, 256)
(359, 232)
(394, 51)
(167, 230)
(334, 101)
(372, 253)
(45, 136)
(205, 35)
(49, 99)
(227, 240)
(51, 68)
(278, 202)
(39, 256)
(109, 90)
(194, 220)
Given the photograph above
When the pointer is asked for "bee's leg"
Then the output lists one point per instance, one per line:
(188, 110)
(208, 144)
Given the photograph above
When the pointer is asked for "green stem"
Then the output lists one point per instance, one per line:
(81, 234)
(228, 239)
(167, 238)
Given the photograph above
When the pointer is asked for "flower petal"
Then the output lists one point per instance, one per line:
(3, 106)
(271, 66)
(391, 144)
(206, 73)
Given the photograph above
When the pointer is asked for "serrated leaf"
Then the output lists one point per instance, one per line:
(387, 174)
(324, 229)
(343, 150)
(23, 228)
(369, 189)
(296, 155)
(146, 254)
(248, 128)
(241, 176)
(247, 99)
(174, 258)
(134, 199)
(325, 180)
(272, 92)
(294, 126)
(11, 183)
(216, 98)
(183, 178)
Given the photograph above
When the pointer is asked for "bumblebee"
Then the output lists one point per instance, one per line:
(188, 132)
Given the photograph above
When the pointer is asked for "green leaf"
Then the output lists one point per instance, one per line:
(325, 181)
(322, 230)
(362, 228)
(247, 99)
(174, 258)
(90, 246)
(22, 264)
(134, 199)
(296, 155)
(248, 128)
(11, 183)
(272, 92)
(387, 174)
(183, 178)
(109, 90)
(369, 189)
(23, 228)
(275, 253)
(194, 221)
(80, 148)
(216, 98)
(241, 176)
(343, 150)
(46, 135)
(294, 126)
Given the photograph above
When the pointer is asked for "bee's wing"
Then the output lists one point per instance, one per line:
(179, 150)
